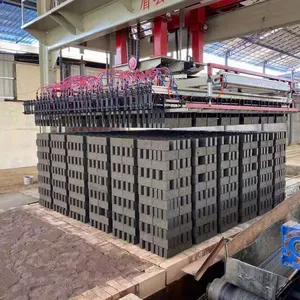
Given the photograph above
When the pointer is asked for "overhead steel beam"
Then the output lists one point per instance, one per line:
(102, 20)
(73, 18)
(249, 20)
(116, 15)
(64, 23)
(266, 15)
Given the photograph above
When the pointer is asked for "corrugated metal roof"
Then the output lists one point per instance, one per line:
(279, 49)
(11, 22)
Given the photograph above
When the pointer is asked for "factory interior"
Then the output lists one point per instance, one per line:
(149, 149)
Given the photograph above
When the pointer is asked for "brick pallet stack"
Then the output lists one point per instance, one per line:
(250, 119)
(164, 186)
(228, 182)
(59, 173)
(229, 120)
(279, 177)
(124, 189)
(204, 195)
(77, 178)
(44, 170)
(266, 175)
(99, 186)
(249, 177)
(163, 191)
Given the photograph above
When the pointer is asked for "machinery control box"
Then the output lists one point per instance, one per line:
(290, 257)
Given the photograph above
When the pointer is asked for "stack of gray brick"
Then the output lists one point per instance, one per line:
(99, 186)
(172, 121)
(44, 170)
(271, 119)
(266, 172)
(229, 120)
(212, 120)
(264, 119)
(235, 120)
(201, 121)
(225, 120)
(164, 187)
(164, 191)
(59, 173)
(185, 121)
(279, 161)
(281, 119)
(204, 188)
(228, 182)
(124, 189)
(77, 178)
(250, 119)
(249, 177)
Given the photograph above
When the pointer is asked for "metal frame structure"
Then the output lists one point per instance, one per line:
(74, 22)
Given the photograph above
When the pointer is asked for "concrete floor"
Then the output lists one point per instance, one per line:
(293, 160)
(41, 259)
(12, 200)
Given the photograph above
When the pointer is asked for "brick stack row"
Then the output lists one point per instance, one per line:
(59, 168)
(249, 153)
(204, 195)
(266, 172)
(165, 201)
(228, 182)
(99, 185)
(124, 189)
(44, 169)
(77, 178)
(279, 161)
(164, 193)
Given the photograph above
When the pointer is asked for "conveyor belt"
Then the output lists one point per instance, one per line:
(222, 290)
(272, 264)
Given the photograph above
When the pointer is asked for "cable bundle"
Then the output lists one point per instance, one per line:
(111, 79)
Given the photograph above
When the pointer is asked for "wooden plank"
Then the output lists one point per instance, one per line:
(248, 236)
(210, 259)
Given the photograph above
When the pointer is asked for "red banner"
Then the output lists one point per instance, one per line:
(145, 4)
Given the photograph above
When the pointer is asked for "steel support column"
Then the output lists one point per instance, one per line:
(121, 47)
(160, 37)
(227, 54)
(264, 67)
(291, 118)
(46, 59)
(196, 28)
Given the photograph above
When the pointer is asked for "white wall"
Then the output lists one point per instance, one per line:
(18, 131)
(28, 80)
(17, 137)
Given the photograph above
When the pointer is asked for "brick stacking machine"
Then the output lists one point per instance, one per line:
(163, 152)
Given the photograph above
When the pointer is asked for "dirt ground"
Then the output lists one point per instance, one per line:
(39, 261)
(11, 180)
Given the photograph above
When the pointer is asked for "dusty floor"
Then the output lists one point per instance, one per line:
(293, 160)
(40, 261)
(11, 180)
